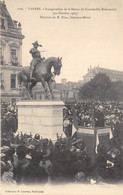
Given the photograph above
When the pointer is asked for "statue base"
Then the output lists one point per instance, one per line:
(42, 117)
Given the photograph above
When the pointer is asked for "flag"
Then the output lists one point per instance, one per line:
(63, 135)
(74, 130)
(75, 124)
(110, 134)
(97, 142)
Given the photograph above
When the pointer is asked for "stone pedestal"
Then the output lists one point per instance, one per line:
(43, 117)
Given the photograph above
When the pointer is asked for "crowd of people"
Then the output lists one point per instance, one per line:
(27, 160)
(9, 119)
(87, 114)
(34, 160)
(86, 111)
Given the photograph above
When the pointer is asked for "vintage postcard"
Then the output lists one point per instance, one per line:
(49, 49)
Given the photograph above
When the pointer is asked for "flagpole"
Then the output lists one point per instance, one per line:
(95, 137)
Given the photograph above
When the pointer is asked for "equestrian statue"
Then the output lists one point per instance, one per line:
(39, 71)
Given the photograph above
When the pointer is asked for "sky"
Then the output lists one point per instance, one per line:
(96, 40)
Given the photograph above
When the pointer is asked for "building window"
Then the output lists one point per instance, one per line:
(67, 93)
(13, 100)
(13, 53)
(1, 57)
(14, 57)
(13, 81)
(0, 52)
(2, 80)
(2, 23)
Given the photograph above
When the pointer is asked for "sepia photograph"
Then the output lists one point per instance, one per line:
(61, 78)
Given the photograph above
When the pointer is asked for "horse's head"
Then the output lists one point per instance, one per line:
(57, 66)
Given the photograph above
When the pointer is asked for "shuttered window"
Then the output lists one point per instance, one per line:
(13, 81)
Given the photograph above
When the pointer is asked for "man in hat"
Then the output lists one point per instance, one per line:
(36, 57)
(99, 117)
(35, 141)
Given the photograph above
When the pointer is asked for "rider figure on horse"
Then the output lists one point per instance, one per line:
(36, 58)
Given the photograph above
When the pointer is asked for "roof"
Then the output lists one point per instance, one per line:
(4, 12)
(62, 87)
(57, 88)
(39, 88)
(12, 30)
(109, 72)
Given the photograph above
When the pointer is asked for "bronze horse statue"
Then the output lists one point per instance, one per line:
(42, 73)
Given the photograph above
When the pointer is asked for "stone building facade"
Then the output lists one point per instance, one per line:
(10, 54)
(114, 75)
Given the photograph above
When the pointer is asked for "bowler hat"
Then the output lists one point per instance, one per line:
(37, 136)
(114, 151)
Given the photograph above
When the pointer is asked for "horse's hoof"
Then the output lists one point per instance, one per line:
(31, 95)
